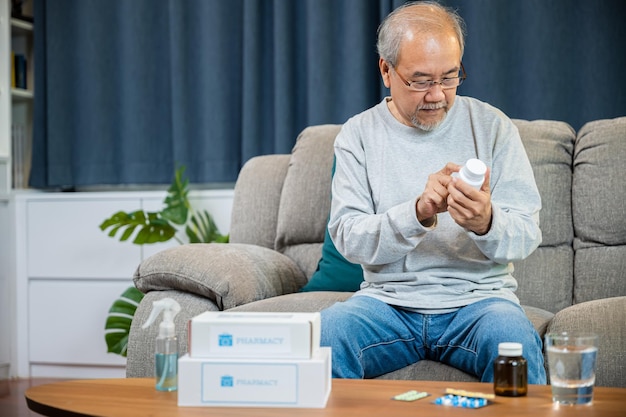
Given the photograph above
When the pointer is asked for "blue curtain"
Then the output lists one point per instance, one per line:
(538, 59)
(127, 90)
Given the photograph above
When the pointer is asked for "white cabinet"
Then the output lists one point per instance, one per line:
(68, 272)
(65, 328)
(6, 290)
(57, 233)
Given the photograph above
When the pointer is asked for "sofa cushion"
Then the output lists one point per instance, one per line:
(431, 371)
(301, 302)
(545, 277)
(228, 274)
(599, 210)
(598, 186)
(304, 200)
(549, 145)
(255, 203)
(334, 272)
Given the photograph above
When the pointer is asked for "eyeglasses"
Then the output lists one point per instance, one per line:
(445, 83)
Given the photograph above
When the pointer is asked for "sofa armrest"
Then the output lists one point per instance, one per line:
(229, 274)
(140, 351)
(607, 318)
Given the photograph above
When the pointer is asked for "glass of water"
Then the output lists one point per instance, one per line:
(572, 366)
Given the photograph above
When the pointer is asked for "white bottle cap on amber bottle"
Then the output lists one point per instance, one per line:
(510, 349)
(473, 172)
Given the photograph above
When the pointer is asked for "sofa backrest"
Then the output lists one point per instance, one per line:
(545, 278)
(305, 199)
(256, 201)
(599, 210)
(283, 201)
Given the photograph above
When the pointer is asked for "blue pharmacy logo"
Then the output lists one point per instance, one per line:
(227, 381)
(226, 339)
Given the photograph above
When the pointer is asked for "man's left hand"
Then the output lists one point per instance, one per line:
(470, 208)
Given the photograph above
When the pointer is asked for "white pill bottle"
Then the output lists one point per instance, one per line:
(473, 173)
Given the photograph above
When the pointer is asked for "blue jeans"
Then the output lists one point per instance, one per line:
(370, 338)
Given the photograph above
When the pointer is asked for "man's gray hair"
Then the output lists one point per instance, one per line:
(425, 16)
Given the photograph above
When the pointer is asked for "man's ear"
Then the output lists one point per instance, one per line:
(385, 69)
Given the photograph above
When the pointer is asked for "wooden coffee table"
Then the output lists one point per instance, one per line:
(136, 397)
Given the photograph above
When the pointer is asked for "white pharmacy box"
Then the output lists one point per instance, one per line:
(216, 334)
(296, 383)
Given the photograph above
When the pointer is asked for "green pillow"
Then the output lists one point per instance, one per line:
(334, 272)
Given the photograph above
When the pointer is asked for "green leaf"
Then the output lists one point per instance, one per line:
(149, 227)
(127, 233)
(222, 239)
(115, 219)
(176, 202)
(154, 233)
(119, 319)
(202, 229)
(192, 235)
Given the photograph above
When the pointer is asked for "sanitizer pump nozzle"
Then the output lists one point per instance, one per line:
(166, 351)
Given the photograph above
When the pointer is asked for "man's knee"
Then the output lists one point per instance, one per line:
(342, 325)
(505, 321)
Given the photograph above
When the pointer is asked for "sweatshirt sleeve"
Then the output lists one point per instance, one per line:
(359, 233)
(515, 200)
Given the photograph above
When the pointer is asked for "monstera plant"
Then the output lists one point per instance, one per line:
(177, 220)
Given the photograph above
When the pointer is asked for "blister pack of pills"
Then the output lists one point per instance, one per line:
(461, 401)
(410, 396)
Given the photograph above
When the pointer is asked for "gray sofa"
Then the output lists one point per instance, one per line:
(576, 280)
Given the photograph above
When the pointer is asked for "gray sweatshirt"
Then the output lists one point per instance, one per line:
(381, 169)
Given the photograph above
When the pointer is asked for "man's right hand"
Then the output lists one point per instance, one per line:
(435, 194)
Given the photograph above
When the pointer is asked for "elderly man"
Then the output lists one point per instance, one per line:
(436, 253)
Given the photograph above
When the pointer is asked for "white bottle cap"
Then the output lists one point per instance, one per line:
(510, 349)
(473, 173)
(474, 169)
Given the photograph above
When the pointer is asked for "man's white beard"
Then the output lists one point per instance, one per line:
(430, 126)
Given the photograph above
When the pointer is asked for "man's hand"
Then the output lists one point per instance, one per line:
(470, 208)
(434, 198)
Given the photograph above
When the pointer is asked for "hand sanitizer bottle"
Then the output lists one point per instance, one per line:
(473, 173)
(166, 349)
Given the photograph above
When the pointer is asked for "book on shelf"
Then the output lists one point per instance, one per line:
(21, 154)
(19, 70)
(18, 8)
(13, 85)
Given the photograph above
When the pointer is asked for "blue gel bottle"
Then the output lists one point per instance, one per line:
(166, 348)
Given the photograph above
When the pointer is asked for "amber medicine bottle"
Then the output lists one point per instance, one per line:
(510, 371)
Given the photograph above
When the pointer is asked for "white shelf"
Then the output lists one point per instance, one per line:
(21, 26)
(16, 109)
(19, 94)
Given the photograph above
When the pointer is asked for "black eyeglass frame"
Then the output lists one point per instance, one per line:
(430, 83)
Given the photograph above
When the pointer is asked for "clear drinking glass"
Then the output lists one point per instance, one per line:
(572, 366)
